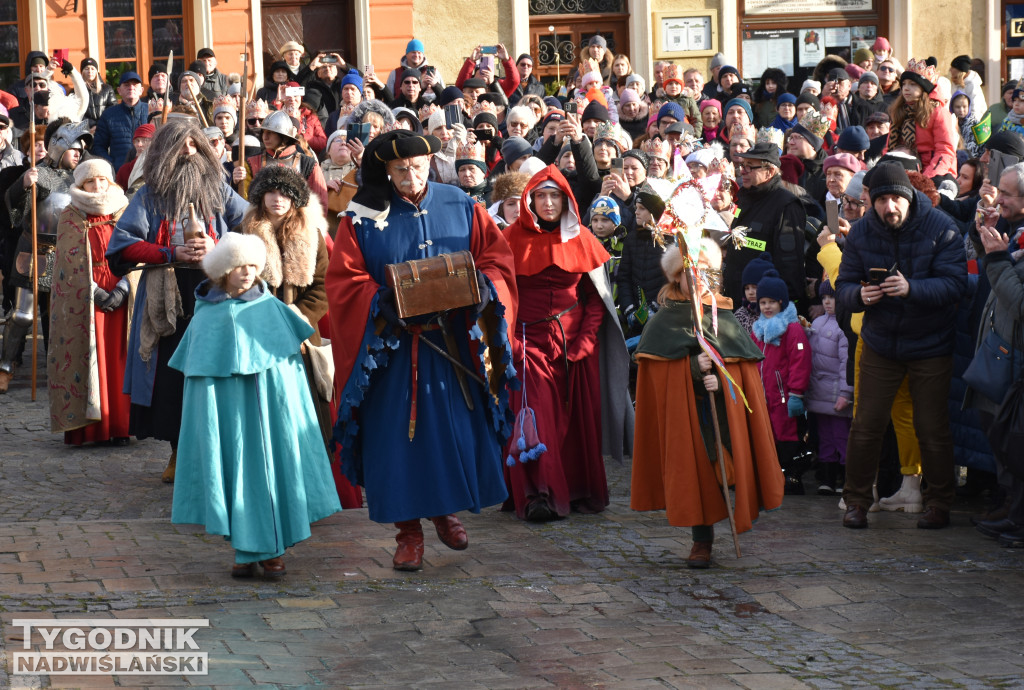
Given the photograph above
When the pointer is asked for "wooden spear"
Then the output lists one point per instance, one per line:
(699, 327)
(35, 254)
(243, 188)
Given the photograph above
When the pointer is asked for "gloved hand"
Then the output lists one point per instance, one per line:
(386, 306)
(66, 68)
(116, 298)
(460, 132)
(485, 291)
(795, 405)
(99, 295)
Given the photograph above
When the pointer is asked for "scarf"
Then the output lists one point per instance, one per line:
(770, 331)
(784, 125)
(99, 203)
(906, 134)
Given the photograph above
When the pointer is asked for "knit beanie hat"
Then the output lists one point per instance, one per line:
(856, 185)
(484, 118)
(515, 148)
(595, 111)
(889, 178)
(773, 287)
(146, 131)
(853, 138)
(862, 55)
(962, 63)
(742, 103)
(880, 44)
(608, 207)
(869, 76)
(1006, 142)
(233, 250)
(728, 69)
(711, 103)
(629, 96)
(88, 61)
(672, 109)
(755, 270)
(809, 99)
(93, 167)
(639, 155)
(810, 84)
(414, 46)
(846, 161)
(718, 60)
(786, 98)
(449, 94)
(353, 78)
(825, 289)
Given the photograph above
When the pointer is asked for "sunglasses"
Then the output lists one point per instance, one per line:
(886, 68)
(253, 121)
(410, 81)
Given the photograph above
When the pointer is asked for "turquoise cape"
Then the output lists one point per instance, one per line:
(251, 460)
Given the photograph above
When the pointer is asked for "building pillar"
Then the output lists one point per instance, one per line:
(641, 38)
(901, 38)
(202, 26)
(92, 30)
(520, 42)
(993, 52)
(37, 26)
(256, 32)
(364, 46)
(729, 31)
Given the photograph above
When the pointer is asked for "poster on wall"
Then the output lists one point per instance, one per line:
(810, 46)
(806, 6)
(767, 48)
(862, 37)
(838, 36)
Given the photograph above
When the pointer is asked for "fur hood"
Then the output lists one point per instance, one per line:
(363, 107)
(296, 264)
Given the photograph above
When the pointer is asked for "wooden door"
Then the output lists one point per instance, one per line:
(571, 34)
(319, 25)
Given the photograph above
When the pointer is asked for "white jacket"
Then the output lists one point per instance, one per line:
(972, 87)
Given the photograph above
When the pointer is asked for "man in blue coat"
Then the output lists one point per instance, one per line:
(905, 267)
(117, 124)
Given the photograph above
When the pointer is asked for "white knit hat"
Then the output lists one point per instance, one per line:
(92, 167)
(436, 120)
(235, 249)
(811, 84)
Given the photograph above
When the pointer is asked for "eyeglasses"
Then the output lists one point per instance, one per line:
(751, 168)
(850, 201)
(886, 68)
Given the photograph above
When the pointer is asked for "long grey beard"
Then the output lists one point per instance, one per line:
(191, 180)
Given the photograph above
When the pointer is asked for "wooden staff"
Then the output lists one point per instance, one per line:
(243, 187)
(194, 90)
(166, 110)
(699, 326)
(35, 255)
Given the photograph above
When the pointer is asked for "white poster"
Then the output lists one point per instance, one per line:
(685, 33)
(862, 37)
(755, 58)
(839, 36)
(810, 47)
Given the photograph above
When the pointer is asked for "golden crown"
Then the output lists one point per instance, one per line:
(771, 135)
(468, 151)
(257, 108)
(922, 69)
(815, 123)
(656, 147)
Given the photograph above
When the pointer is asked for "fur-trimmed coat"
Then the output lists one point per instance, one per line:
(296, 262)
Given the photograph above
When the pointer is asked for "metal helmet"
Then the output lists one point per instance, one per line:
(281, 123)
(74, 135)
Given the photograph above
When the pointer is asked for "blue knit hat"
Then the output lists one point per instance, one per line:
(755, 270)
(786, 98)
(607, 207)
(672, 109)
(414, 46)
(854, 138)
(825, 289)
(449, 94)
(740, 102)
(773, 287)
(354, 79)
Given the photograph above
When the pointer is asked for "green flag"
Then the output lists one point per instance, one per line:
(983, 130)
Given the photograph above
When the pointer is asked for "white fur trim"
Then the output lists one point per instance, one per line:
(233, 250)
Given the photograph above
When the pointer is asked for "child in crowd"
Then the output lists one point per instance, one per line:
(785, 371)
(748, 311)
(251, 461)
(1014, 120)
(639, 277)
(606, 224)
(829, 397)
(960, 106)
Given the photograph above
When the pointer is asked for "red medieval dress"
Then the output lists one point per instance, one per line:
(560, 313)
(86, 361)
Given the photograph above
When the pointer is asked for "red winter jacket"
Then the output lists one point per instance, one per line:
(509, 83)
(790, 363)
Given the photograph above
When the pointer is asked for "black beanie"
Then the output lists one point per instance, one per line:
(962, 63)
(86, 62)
(1006, 142)
(813, 139)
(485, 118)
(810, 99)
(595, 111)
(755, 270)
(889, 178)
(773, 287)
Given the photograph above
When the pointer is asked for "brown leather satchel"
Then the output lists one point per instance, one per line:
(426, 286)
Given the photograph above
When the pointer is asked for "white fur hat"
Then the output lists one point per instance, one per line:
(92, 167)
(235, 249)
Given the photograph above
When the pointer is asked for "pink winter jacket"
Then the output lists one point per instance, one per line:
(790, 363)
(935, 145)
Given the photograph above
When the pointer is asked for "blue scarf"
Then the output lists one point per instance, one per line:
(784, 125)
(771, 330)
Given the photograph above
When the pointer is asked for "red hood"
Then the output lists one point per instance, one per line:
(573, 248)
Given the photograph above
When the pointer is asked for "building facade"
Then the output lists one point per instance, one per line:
(134, 34)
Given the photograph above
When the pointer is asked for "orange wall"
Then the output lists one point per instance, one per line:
(65, 30)
(390, 31)
(230, 21)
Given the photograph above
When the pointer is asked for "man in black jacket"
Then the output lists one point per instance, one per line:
(528, 84)
(905, 267)
(773, 218)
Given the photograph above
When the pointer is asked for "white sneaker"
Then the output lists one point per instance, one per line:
(874, 506)
(908, 499)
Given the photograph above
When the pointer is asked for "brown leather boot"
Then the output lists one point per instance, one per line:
(700, 555)
(168, 476)
(5, 380)
(451, 532)
(409, 555)
(273, 569)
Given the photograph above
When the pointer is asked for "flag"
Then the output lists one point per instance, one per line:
(983, 130)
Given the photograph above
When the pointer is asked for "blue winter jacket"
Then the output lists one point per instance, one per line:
(114, 130)
(929, 252)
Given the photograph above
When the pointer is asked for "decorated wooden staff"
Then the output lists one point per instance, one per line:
(35, 256)
(243, 188)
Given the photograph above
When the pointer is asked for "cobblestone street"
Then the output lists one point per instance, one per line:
(591, 601)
